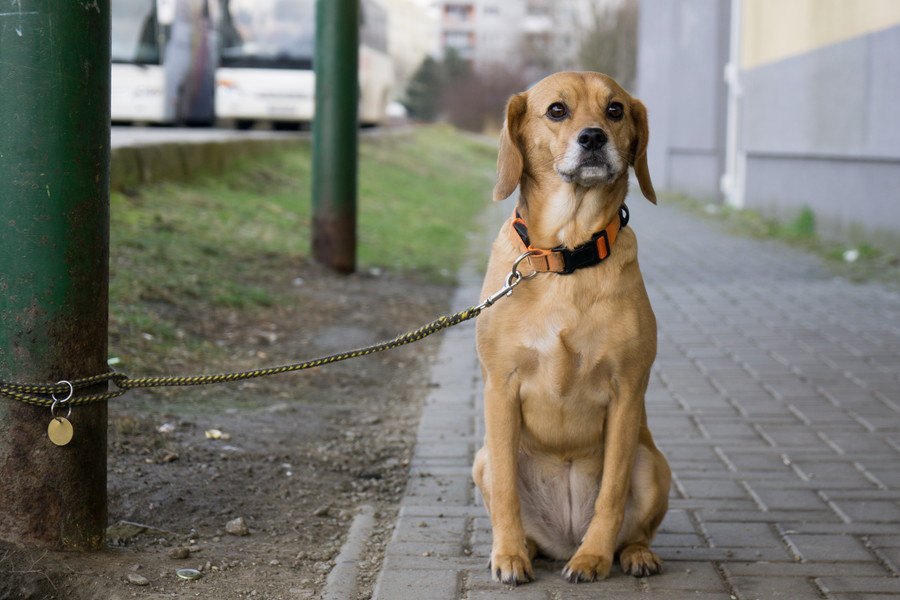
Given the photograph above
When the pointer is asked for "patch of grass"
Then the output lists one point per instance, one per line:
(802, 227)
(855, 261)
(418, 196)
(179, 251)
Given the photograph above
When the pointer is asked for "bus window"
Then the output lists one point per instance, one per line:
(135, 34)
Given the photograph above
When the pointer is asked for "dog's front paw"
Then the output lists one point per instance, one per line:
(640, 561)
(511, 569)
(587, 567)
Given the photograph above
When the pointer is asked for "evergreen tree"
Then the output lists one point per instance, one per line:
(423, 94)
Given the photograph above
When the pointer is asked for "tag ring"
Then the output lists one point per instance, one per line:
(62, 401)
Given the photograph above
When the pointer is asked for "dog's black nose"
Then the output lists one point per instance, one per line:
(592, 138)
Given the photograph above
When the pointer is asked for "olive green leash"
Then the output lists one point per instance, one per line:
(27, 392)
(37, 394)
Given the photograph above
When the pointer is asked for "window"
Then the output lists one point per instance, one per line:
(458, 12)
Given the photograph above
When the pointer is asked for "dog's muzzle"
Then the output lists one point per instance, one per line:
(590, 159)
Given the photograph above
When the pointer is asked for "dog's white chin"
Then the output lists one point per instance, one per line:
(588, 176)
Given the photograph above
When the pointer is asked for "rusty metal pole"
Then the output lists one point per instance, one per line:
(54, 249)
(335, 130)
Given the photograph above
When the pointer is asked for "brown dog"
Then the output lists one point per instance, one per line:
(569, 467)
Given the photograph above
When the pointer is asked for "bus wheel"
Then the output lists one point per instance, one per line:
(244, 124)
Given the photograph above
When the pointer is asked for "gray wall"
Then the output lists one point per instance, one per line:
(823, 130)
(682, 50)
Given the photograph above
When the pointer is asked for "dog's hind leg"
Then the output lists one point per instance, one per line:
(649, 501)
(532, 548)
(478, 475)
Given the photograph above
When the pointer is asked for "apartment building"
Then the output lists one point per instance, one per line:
(539, 36)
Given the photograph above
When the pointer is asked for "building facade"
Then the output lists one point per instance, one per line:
(539, 36)
(413, 34)
(777, 105)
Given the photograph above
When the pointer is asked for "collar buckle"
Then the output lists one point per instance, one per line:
(562, 260)
(585, 255)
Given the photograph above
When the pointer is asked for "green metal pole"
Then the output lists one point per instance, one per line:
(54, 249)
(335, 130)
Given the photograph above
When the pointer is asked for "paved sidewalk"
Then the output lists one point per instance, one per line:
(775, 397)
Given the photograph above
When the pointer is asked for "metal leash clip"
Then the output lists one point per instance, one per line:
(514, 278)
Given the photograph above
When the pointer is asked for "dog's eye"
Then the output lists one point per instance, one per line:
(615, 111)
(557, 111)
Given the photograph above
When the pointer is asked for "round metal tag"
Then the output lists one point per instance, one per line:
(60, 431)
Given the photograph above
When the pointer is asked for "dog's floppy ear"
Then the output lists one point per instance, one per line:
(510, 161)
(639, 150)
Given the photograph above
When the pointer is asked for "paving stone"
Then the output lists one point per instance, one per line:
(786, 436)
(728, 430)
(786, 499)
(456, 489)
(803, 569)
(874, 585)
(855, 596)
(834, 474)
(883, 511)
(436, 510)
(408, 585)
(712, 505)
(736, 535)
(691, 540)
(681, 553)
(817, 518)
(712, 488)
(518, 593)
(430, 529)
(887, 476)
(677, 521)
(445, 449)
(891, 557)
(677, 451)
(436, 562)
(886, 541)
(815, 527)
(774, 588)
(743, 461)
(691, 576)
(404, 548)
(828, 547)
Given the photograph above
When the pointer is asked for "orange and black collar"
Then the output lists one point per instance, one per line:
(564, 260)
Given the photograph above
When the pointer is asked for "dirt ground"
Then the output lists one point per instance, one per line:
(297, 455)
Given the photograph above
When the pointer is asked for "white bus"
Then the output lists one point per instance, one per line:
(266, 65)
(164, 55)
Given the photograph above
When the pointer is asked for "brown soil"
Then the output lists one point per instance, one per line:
(303, 452)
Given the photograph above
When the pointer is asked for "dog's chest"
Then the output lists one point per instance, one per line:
(566, 360)
(564, 378)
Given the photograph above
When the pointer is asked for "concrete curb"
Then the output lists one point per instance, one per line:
(342, 581)
(135, 166)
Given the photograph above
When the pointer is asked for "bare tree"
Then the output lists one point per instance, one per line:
(476, 102)
(608, 41)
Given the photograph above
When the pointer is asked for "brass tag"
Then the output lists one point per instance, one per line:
(60, 431)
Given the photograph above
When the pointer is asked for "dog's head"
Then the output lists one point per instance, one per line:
(580, 128)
